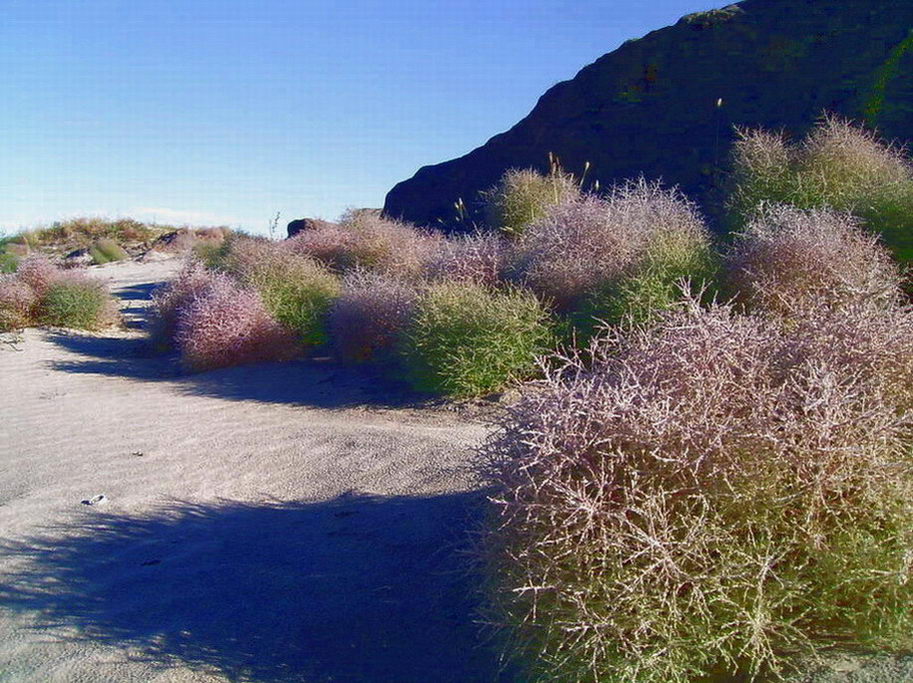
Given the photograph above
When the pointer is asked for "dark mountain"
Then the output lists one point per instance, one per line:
(651, 105)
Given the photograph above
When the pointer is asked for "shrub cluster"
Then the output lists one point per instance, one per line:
(297, 290)
(369, 317)
(225, 324)
(615, 259)
(41, 293)
(790, 260)
(466, 314)
(727, 489)
(838, 165)
(364, 239)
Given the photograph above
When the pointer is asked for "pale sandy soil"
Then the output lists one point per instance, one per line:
(297, 522)
(272, 523)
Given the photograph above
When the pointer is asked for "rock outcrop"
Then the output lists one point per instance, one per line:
(665, 105)
(303, 224)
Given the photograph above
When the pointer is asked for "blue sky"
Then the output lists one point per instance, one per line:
(227, 111)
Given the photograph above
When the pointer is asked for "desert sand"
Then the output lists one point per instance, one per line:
(280, 522)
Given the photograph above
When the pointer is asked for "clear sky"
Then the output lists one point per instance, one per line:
(227, 111)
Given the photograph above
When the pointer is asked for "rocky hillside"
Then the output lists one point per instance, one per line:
(651, 106)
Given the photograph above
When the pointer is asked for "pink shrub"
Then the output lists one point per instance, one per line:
(330, 244)
(226, 325)
(17, 303)
(578, 246)
(168, 301)
(789, 260)
(366, 240)
(712, 494)
(370, 315)
(479, 258)
(38, 272)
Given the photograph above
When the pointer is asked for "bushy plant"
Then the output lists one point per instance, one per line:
(105, 250)
(522, 196)
(480, 257)
(39, 273)
(364, 239)
(714, 495)
(838, 165)
(74, 300)
(167, 301)
(790, 260)
(297, 290)
(369, 317)
(624, 252)
(466, 339)
(226, 324)
(17, 303)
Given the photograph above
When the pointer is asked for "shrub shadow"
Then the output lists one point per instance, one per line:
(358, 588)
(314, 382)
(139, 292)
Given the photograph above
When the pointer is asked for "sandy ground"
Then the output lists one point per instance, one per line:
(285, 522)
(272, 523)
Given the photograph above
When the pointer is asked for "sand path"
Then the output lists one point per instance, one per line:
(271, 523)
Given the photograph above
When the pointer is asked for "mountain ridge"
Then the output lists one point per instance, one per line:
(650, 106)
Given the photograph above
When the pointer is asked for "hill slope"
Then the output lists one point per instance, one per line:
(651, 105)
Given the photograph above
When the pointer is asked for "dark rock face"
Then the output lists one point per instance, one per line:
(302, 224)
(651, 106)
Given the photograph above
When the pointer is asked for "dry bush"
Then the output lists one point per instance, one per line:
(481, 258)
(370, 315)
(714, 496)
(578, 248)
(522, 196)
(39, 273)
(363, 239)
(170, 299)
(789, 260)
(226, 324)
(17, 303)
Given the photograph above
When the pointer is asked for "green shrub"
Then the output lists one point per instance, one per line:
(77, 302)
(296, 290)
(105, 250)
(466, 339)
(524, 195)
(651, 285)
(838, 165)
(9, 262)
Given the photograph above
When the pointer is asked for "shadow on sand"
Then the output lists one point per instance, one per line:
(355, 589)
(318, 382)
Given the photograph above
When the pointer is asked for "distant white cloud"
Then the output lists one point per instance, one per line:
(165, 215)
